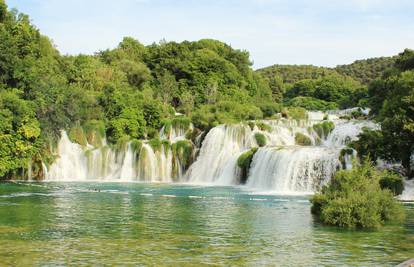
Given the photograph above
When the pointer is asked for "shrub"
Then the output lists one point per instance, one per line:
(263, 126)
(296, 113)
(324, 129)
(95, 132)
(392, 181)
(347, 151)
(251, 125)
(136, 145)
(270, 109)
(155, 144)
(244, 162)
(181, 122)
(311, 103)
(77, 135)
(354, 198)
(260, 139)
(302, 140)
(183, 150)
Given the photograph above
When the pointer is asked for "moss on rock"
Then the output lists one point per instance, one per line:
(260, 139)
(244, 161)
(302, 140)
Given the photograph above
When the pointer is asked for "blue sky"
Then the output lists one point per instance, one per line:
(319, 32)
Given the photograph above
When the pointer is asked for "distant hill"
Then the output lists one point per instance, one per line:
(363, 71)
(293, 73)
(366, 70)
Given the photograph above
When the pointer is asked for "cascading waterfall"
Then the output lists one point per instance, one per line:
(71, 163)
(346, 131)
(292, 169)
(281, 165)
(77, 163)
(216, 162)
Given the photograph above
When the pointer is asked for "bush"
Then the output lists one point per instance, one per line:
(264, 127)
(370, 144)
(302, 140)
(270, 109)
(392, 181)
(183, 150)
(296, 113)
(260, 139)
(181, 122)
(244, 162)
(311, 103)
(136, 145)
(77, 135)
(95, 132)
(347, 151)
(155, 144)
(225, 112)
(354, 198)
(324, 129)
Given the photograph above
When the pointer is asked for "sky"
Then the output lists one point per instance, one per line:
(318, 32)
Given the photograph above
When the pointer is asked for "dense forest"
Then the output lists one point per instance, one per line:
(131, 91)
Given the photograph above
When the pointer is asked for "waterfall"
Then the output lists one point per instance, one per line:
(347, 131)
(216, 161)
(408, 193)
(71, 163)
(281, 165)
(292, 169)
(77, 163)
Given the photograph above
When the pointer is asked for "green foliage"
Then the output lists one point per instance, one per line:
(354, 198)
(269, 109)
(302, 140)
(260, 139)
(369, 144)
(224, 112)
(183, 150)
(295, 113)
(392, 181)
(155, 144)
(19, 133)
(244, 161)
(367, 70)
(290, 74)
(136, 145)
(263, 126)
(311, 103)
(77, 135)
(95, 132)
(181, 122)
(405, 60)
(332, 89)
(392, 101)
(347, 151)
(323, 129)
(3, 11)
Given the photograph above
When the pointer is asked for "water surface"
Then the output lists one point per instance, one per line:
(83, 224)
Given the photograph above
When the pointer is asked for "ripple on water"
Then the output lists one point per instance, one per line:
(136, 224)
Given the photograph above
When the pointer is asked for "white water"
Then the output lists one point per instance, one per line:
(280, 166)
(77, 163)
(408, 193)
(218, 155)
(292, 169)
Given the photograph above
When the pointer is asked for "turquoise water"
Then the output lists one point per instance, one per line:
(83, 224)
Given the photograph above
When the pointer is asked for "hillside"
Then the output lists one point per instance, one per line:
(364, 71)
